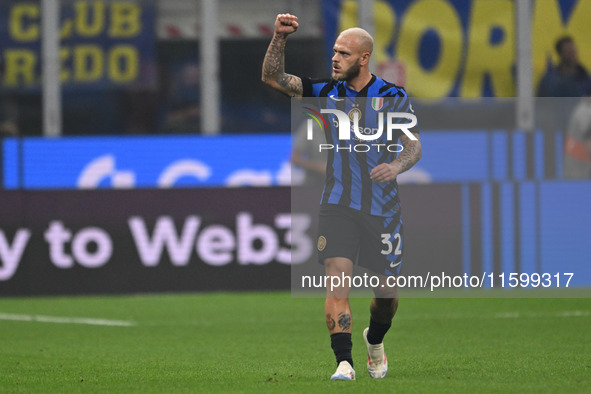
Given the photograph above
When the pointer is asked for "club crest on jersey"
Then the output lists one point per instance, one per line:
(352, 114)
(377, 103)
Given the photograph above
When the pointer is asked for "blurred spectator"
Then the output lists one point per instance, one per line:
(562, 84)
(183, 114)
(8, 118)
(577, 146)
(569, 78)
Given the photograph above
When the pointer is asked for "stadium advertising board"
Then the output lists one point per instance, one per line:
(146, 161)
(457, 47)
(125, 241)
(210, 239)
(73, 242)
(257, 160)
(103, 43)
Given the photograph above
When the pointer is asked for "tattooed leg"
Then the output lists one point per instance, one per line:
(338, 315)
(336, 307)
(345, 321)
(330, 323)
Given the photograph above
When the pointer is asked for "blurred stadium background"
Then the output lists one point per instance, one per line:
(141, 153)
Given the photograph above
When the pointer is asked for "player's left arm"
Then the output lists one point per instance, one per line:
(410, 155)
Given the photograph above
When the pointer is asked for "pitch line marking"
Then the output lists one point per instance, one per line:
(502, 315)
(66, 320)
(516, 315)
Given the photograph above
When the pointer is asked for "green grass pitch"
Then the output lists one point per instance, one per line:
(270, 342)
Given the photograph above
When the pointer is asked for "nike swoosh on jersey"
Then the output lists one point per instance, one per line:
(392, 265)
(332, 96)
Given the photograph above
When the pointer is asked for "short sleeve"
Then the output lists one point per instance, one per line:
(307, 90)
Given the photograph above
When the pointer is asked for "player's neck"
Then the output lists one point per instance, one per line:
(359, 81)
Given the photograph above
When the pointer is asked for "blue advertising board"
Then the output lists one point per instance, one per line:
(145, 162)
(237, 160)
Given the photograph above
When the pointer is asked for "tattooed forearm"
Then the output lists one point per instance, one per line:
(274, 59)
(345, 321)
(410, 155)
(274, 69)
(330, 323)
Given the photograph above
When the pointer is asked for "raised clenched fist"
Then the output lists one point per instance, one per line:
(286, 24)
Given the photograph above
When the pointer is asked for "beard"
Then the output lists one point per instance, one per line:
(347, 75)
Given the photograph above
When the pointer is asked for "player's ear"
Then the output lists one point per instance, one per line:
(364, 58)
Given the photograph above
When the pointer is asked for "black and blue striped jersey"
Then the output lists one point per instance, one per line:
(348, 180)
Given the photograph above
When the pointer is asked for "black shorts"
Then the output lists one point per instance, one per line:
(373, 242)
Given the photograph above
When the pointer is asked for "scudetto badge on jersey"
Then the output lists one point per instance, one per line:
(377, 103)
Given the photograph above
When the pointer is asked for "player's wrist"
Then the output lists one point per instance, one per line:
(281, 36)
(395, 168)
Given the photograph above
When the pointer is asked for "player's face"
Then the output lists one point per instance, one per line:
(346, 61)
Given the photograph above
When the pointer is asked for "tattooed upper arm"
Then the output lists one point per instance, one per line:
(290, 85)
(285, 83)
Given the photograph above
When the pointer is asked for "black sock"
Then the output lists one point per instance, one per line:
(341, 346)
(377, 331)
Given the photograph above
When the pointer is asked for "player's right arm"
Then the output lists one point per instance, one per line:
(274, 73)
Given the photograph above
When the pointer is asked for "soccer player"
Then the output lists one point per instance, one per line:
(360, 209)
